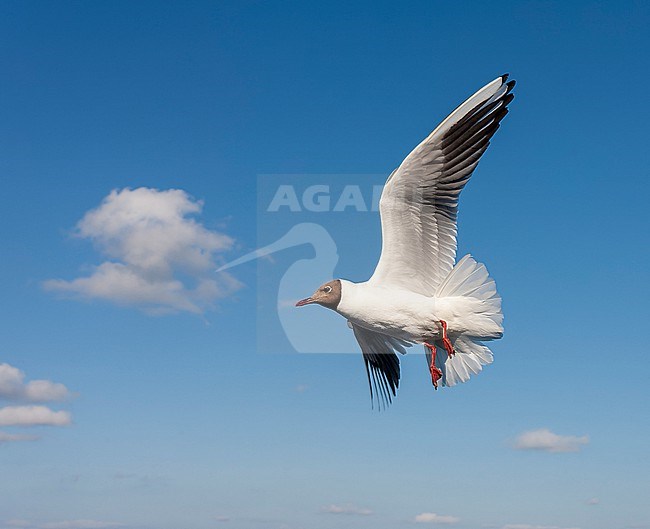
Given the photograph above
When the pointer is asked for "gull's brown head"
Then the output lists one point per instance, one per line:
(327, 295)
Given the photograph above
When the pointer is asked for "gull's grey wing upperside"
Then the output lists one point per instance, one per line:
(419, 203)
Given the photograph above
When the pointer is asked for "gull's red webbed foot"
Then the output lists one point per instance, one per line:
(436, 373)
(446, 342)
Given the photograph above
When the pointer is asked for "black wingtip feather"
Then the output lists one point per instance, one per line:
(504, 77)
(383, 379)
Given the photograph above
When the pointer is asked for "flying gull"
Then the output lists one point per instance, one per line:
(417, 295)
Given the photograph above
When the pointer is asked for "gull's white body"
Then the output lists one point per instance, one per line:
(413, 317)
(405, 315)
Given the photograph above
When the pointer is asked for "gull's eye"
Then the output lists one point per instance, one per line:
(327, 289)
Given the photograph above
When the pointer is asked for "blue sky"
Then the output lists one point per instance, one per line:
(175, 420)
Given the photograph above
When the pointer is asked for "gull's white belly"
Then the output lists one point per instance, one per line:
(399, 313)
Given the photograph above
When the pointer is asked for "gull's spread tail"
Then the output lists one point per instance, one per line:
(469, 279)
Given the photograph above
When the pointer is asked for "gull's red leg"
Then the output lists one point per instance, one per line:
(446, 342)
(436, 373)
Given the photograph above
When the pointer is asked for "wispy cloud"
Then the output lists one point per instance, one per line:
(64, 524)
(547, 441)
(433, 518)
(139, 480)
(16, 437)
(79, 524)
(33, 416)
(158, 258)
(529, 526)
(346, 509)
(17, 523)
(593, 501)
(13, 387)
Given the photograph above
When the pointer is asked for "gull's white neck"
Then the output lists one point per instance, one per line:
(351, 298)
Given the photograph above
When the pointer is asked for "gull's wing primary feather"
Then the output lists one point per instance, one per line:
(382, 364)
(419, 204)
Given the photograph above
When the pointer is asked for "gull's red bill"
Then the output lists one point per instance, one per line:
(305, 301)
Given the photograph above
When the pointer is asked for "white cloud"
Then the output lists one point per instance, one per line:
(159, 259)
(33, 416)
(433, 518)
(346, 509)
(593, 501)
(16, 437)
(547, 441)
(13, 387)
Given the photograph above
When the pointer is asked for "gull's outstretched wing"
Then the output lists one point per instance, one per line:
(419, 204)
(382, 364)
